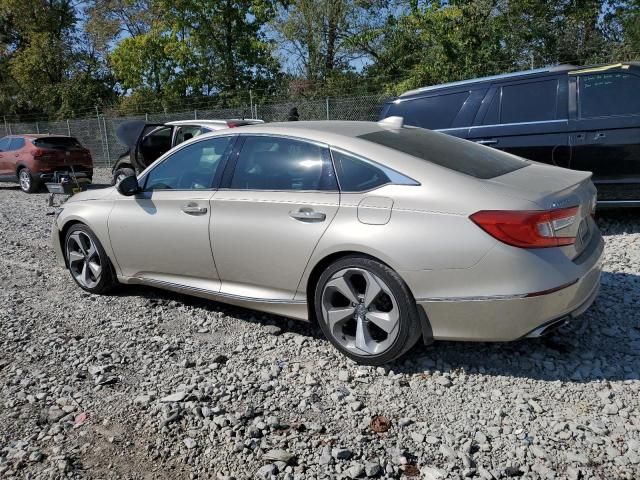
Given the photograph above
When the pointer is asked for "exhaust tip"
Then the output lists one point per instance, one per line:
(548, 328)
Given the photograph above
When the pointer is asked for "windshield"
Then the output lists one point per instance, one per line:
(447, 151)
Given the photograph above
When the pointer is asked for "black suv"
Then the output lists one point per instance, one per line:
(584, 118)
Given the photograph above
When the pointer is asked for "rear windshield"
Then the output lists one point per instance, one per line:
(446, 151)
(57, 142)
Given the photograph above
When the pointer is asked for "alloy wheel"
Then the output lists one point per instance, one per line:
(360, 310)
(84, 260)
(25, 179)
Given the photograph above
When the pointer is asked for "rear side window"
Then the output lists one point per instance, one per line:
(432, 112)
(4, 144)
(359, 175)
(57, 142)
(529, 102)
(607, 94)
(447, 151)
(278, 163)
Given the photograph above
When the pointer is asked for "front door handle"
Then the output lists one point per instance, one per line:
(194, 209)
(600, 135)
(489, 141)
(307, 215)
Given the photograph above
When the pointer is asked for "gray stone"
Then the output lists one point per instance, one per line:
(174, 397)
(265, 472)
(341, 453)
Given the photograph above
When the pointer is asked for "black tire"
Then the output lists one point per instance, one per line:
(27, 183)
(408, 323)
(121, 172)
(107, 279)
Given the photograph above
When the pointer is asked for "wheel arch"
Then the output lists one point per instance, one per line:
(323, 263)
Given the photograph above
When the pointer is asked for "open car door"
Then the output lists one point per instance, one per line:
(132, 135)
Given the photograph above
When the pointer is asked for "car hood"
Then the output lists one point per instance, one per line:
(129, 132)
(93, 194)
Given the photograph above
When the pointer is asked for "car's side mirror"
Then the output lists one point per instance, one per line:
(128, 186)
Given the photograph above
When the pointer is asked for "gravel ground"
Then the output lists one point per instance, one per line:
(150, 384)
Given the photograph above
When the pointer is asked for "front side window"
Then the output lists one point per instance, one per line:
(432, 112)
(607, 94)
(278, 163)
(529, 102)
(190, 168)
(4, 144)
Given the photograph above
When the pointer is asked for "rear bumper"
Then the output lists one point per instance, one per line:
(79, 170)
(512, 316)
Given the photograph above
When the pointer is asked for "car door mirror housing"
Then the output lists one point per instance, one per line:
(128, 186)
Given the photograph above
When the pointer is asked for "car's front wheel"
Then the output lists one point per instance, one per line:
(366, 310)
(87, 261)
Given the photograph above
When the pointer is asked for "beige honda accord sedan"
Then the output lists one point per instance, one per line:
(381, 233)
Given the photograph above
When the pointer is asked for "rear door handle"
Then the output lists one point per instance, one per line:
(489, 141)
(194, 209)
(600, 135)
(307, 215)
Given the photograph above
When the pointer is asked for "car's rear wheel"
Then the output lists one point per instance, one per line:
(366, 310)
(27, 183)
(87, 261)
(121, 174)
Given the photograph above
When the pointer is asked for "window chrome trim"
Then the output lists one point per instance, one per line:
(537, 122)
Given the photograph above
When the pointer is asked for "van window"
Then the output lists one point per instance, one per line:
(606, 94)
(4, 144)
(529, 102)
(432, 112)
(447, 151)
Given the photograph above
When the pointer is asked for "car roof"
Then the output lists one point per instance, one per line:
(208, 122)
(522, 74)
(36, 135)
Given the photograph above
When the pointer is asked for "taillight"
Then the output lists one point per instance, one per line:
(40, 154)
(529, 228)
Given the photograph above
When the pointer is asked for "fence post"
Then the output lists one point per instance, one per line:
(100, 128)
(68, 127)
(106, 138)
(7, 127)
(327, 108)
(146, 117)
(251, 102)
(195, 114)
(37, 128)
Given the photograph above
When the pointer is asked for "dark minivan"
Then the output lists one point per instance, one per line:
(584, 118)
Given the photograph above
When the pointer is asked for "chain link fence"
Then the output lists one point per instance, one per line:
(98, 133)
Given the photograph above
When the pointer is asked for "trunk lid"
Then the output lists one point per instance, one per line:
(553, 188)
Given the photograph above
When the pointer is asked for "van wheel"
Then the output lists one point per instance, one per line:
(120, 174)
(27, 183)
(366, 310)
